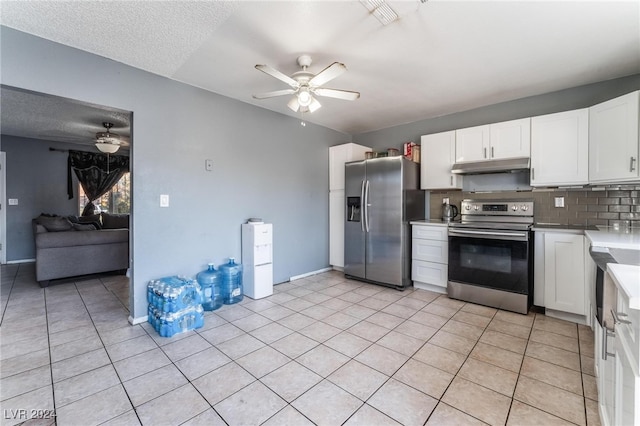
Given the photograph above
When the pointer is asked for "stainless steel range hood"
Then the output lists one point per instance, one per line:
(491, 166)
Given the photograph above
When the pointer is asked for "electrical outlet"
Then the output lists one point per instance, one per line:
(208, 165)
(445, 201)
(13, 201)
(559, 201)
(164, 200)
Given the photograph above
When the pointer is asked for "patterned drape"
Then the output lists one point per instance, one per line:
(96, 172)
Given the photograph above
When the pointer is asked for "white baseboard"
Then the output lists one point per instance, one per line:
(139, 320)
(11, 262)
(429, 287)
(308, 274)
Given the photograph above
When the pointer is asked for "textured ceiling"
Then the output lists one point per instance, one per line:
(440, 57)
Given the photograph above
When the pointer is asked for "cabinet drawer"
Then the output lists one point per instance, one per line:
(430, 232)
(629, 333)
(430, 250)
(429, 272)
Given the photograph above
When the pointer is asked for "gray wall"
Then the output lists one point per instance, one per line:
(563, 100)
(265, 164)
(37, 177)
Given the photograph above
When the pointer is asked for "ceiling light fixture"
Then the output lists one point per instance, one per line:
(381, 10)
(107, 142)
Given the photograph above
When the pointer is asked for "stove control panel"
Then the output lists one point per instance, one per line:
(497, 207)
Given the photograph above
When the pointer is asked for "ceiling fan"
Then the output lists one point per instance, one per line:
(108, 142)
(304, 85)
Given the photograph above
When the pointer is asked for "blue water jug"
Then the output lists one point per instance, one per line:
(209, 280)
(231, 282)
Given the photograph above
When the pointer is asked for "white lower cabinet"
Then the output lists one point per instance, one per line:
(617, 357)
(560, 271)
(429, 257)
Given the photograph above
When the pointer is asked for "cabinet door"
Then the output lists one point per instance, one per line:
(336, 228)
(340, 154)
(613, 139)
(437, 155)
(627, 382)
(510, 139)
(560, 148)
(472, 144)
(564, 272)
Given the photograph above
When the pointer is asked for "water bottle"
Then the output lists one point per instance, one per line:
(231, 282)
(209, 280)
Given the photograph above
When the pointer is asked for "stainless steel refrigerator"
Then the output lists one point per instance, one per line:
(381, 196)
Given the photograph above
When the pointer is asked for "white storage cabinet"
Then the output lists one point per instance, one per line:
(560, 149)
(430, 257)
(437, 155)
(613, 139)
(338, 156)
(508, 139)
(257, 260)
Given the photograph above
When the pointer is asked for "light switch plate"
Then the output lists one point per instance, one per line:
(208, 165)
(559, 201)
(164, 200)
(13, 201)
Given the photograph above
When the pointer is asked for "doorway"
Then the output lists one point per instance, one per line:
(38, 133)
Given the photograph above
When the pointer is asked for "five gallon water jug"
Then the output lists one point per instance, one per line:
(209, 281)
(231, 282)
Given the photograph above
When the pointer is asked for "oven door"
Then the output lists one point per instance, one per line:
(496, 259)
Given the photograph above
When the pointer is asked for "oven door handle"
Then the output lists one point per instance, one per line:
(493, 235)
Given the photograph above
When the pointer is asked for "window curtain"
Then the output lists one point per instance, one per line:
(97, 173)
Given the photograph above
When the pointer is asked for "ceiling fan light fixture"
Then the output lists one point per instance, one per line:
(381, 10)
(107, 147)
(304, 97)
(293, 104)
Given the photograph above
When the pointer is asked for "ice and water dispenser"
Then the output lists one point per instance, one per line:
(353, 209)
(257, 259)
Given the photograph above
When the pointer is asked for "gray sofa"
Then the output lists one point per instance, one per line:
(67, 250)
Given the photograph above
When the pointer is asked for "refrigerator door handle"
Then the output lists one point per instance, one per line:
(366, 206)
(362, 204)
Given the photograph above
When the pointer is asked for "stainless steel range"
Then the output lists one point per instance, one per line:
(491, 254)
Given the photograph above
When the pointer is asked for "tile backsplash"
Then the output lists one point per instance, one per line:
(616, 205)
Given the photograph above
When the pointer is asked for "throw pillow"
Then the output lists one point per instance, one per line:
(55, 223)
(93, 219)
(115, 221)
(84, 227)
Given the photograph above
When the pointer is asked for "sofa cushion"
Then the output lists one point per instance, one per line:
(69, 239)
(115, 221)
(55, 223)
(84, 227)
(93, 219)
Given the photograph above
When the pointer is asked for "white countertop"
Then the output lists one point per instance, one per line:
(627, 278)
(622, 238)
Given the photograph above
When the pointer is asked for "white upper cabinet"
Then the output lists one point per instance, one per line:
(498, 141)
(437, 155)
(613, 139)
(510, 139)
(560, 148)
(340, 154)
(472, 144)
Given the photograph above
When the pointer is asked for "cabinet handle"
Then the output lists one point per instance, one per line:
(451, 179)
(632, 166)
(485, 153)
(616, 318)
(605, 352)
(491, 152)
(533, 174)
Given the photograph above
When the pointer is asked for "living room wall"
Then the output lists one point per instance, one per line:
(265, 164)
(37, 177)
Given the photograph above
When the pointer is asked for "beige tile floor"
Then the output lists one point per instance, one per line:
(322, 350)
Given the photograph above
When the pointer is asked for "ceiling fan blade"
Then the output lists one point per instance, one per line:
(277, 74)
(327, 74)
(346, 95)
(314, 105)
(293, 104)
(274, 94)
